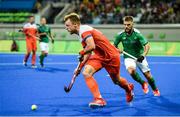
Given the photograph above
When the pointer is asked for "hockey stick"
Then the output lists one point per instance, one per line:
(78, 70)
(129, 55)
(68, 88)
(20, 30)
(52, 42)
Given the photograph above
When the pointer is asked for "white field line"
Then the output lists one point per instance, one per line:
(74, 63)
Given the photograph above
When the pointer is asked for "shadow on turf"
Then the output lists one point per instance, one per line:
(51, 69)
(163, 103)
(83, 110)
(74, 109)
(143, 105)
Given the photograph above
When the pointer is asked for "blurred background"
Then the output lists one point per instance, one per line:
(158, 21)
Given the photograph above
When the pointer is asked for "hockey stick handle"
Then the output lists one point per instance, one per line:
(129, 55)
(34, 37)
(78, 69)
(21, 30)
(68, 88)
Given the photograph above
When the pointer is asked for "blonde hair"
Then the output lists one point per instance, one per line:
(74, 18)
(128, 18)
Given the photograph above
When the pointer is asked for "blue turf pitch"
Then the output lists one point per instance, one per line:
(20, 87)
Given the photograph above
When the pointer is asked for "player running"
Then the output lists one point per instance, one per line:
(135, 44)
(104, 55)
(30, 31)
(45, 34)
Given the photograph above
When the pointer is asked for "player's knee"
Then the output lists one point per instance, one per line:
(86, 74)
(33, 52)
(147, 75)
(28, 53)
(116, 82)
(131, 71)
(46, 54)
(115, 79)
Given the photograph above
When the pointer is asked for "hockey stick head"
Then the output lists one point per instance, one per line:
(66, 89)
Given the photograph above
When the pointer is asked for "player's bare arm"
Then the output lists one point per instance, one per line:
(90, 45)
(146, 49)
(41, 34)
(51, 37)
(88, 71)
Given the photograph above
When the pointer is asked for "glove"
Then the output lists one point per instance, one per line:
(120, 52)
(140, 59)
(77, 71)
(80, 58)
(81, 55)
(20, 30)
(52, 41)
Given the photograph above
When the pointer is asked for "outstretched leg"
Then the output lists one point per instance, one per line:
(152, 83)
(137, 78)
(113, 68)
(33, 59)
(123, 83)
(26, 58)
(41, 57)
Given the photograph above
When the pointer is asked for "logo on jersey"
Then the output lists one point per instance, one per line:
(123, 38)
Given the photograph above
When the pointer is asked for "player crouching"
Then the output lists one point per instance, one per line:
(105, 55)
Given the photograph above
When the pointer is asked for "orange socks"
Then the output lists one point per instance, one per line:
(124, 84)
(33, 58)
(93, 86)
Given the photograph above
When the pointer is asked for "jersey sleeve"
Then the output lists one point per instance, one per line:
(25, 29)
(142, 39)
(117, 40)
(86, 35)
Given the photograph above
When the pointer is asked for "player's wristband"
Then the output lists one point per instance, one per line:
(82, 52)
(81, 65)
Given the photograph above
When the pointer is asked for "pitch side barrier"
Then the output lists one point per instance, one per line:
(153, 32)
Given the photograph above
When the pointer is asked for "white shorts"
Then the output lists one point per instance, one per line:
(144, 67)
(44, 47)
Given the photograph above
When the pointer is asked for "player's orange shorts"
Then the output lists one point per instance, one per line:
(112, 65)
(31, 45)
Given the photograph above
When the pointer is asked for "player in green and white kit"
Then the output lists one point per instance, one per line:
(135, 44)
(45, 34)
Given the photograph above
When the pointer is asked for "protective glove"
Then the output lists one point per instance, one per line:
(140, 59)
(81, 55)
(52, 41)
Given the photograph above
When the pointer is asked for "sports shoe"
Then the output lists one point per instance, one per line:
(42, 65)
(33, 66)
(145, 87)
(98, 102)
(156, 92)
(130, 95)
(24, 63)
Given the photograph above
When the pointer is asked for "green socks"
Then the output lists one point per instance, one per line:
(137, 78)
(41, 58)
(151, 82)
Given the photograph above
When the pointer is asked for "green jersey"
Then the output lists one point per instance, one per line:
(44, 29)
(132, 44)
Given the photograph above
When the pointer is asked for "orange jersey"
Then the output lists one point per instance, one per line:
(30, 29)
(104, 49)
